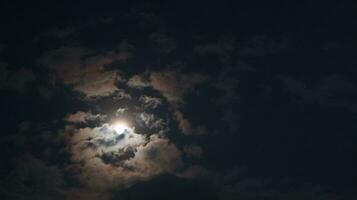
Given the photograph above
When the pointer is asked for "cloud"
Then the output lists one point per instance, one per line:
(103, 159)
(83, 117)
(223, 48)
(184, 124)
(186, 127)
(156, 157)
(164, 43)
(229, 87)
(333, 90)
(138, 81)
(230, 118)
(173, 188)
(198, 172)
(33, 178)
(120, 111)
(83, 70)
(149, 121)
(90, 148)
(46, 181)
(121, 94)
(262, 45)
(56, 33)
(18, 80)
(192, 151)
(150, 102)
(174, 85)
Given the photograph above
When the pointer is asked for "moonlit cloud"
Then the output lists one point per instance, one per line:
(174, 85)
(100, 157)
(83, 117)
(109, 159)
(121, 94)
(120, 111)
(138, 81)
(85, 72)
(150, 102)
(104, 159)
(186, 127)
(156, 157)
(150, 121)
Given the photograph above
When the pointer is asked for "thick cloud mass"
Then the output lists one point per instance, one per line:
(106, 159)
(101, 158)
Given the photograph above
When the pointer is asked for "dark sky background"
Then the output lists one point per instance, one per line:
(221, 100)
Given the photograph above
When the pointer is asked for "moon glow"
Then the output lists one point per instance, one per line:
(120, 127)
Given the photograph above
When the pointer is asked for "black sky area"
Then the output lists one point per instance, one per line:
(242, 100)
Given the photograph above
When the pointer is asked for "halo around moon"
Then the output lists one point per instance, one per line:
(120, 127)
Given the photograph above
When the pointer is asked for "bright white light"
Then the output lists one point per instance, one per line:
(120, 127)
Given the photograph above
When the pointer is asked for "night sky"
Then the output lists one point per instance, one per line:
(253, 100)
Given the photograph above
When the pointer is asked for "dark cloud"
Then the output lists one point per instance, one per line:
(170, 187)
(262, 45)
(2, 47)
(333, 90)
(56, 33)
(18, 80)
(35, 179)
(164, 43)
(223, 48)
(192, 151)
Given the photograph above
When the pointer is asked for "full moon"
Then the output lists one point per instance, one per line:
(120, 127)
